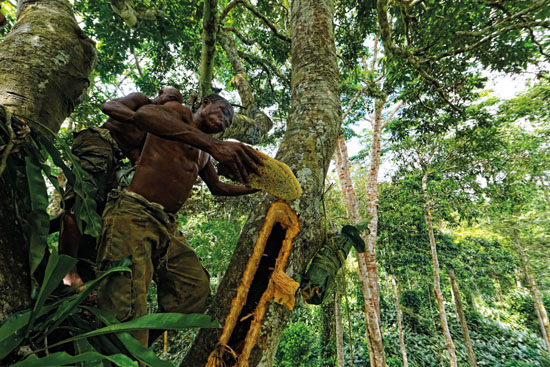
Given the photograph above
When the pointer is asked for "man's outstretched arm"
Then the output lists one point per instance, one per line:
(163, 122)
(218, 188)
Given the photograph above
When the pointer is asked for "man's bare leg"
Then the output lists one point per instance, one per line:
(69, 240)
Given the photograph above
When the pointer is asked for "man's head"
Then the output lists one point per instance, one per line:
(168, 94)
(215, 114)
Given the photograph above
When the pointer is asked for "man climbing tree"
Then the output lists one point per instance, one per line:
(100, 150)
(140, 222)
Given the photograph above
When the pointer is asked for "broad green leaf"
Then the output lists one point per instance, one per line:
(63, 359)
(83, 346)
(151, 321)
(142, 354)
(12, 330)
(157, 321)
(56, 156)
(57, 267)
(39, 220)
(67, 308)
(85, 208)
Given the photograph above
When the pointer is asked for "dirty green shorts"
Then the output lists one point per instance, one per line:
(100, 156)
(136, 228)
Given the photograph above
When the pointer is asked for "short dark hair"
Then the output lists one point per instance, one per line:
(227, 107)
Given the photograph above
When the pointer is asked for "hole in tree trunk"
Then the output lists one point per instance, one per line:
(257, 288)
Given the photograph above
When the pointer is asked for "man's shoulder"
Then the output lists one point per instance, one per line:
(139, 98)
(182, 110)
(134, 100)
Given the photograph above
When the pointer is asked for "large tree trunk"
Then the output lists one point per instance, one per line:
(462, 319)
(534, 290)
(437, 286)
(372, 205)
(44, 66)
(306, 148)
(369, 282)
(328, 331)
(43, 73)
(397, 297)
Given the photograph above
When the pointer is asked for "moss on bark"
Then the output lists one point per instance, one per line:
(44, 63)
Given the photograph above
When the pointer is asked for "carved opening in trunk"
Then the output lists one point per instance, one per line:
(263, 280)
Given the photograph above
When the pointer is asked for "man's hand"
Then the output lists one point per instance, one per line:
(239, 158)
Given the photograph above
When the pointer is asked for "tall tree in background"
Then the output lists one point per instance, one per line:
(367, 260)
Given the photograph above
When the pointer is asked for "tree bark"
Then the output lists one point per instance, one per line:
(252, 125)
(543, 333)
(462, 319)
(534, 290)
(339, 329)
(209, 27)
(43, 74)
(437, 287)
(399, 317)
(370, 292)
(372, 203)
(328, 337)
(306, 148)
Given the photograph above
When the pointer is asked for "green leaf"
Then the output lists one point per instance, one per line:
(57, 267)
(151, 321)
(39, 221)
(154, 321)
(63, 359)
(56, 156)
(83, 346)
(67, 308)
(85, 208)
(142, 354)
(12, 330)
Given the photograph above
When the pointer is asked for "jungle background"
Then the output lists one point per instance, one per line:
(455, 270)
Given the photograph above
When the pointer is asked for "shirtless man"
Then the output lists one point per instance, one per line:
(100, 151)
(141, 222)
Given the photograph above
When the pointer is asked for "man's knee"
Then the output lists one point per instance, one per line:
(203, 290)
(117, 296)
(187, 296)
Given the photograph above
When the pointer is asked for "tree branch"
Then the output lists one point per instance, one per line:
(228, 8)
(209, 25)
(267, 64)
(483, 40)
(353, 101)
(240, 36)
(392, 113)
(254, 11)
